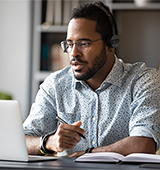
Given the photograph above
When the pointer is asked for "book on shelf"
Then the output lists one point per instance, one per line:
(58, 12)
(112, 157)
(43, 11)
(45, 61)
(49, 12)
(59, 60)
(66, 11)
(53, 12)
(52, 57)
(68, 6)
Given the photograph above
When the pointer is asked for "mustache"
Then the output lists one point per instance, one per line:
(77, 59)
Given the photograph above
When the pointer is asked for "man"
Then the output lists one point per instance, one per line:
(116, 106)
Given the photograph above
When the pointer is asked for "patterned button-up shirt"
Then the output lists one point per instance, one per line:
(126, 104)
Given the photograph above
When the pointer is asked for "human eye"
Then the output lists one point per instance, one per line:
(83, 44)
(69, 45)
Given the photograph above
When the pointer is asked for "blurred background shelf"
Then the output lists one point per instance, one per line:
(52, 28)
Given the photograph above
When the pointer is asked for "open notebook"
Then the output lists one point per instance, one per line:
(12, 142)
(119, 158)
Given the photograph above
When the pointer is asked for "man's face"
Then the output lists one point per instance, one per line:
(86, 65)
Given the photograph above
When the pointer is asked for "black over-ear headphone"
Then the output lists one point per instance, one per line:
(113, 41)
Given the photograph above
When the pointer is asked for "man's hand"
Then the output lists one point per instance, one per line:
(66, 137)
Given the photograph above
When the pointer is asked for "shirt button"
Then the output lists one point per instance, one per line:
(93, 142)
(94, 118)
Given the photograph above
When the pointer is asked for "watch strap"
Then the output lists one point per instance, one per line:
(43, 141)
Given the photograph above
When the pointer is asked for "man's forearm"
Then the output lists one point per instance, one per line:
(125, 146)
(130, 145)
(33, 145)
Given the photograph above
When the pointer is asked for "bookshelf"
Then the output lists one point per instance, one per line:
(48, 33)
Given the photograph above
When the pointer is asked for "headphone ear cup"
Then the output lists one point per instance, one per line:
(114, 41)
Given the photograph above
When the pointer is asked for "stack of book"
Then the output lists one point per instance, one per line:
(57, 12)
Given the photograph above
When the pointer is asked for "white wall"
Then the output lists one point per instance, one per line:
(15, 51)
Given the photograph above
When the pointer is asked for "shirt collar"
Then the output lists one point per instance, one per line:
(116, 73)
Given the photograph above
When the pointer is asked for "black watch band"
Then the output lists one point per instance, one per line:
(89, 150)
(42, 145)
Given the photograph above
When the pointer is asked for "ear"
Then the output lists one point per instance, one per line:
(110, 49)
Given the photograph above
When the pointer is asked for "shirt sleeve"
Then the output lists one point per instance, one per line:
(145, 107)
(41, 119)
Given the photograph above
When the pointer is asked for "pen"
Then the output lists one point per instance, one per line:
(61, 120)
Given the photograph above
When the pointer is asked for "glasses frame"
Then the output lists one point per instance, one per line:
(63, 45)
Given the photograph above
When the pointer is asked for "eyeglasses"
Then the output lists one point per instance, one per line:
(82, 45)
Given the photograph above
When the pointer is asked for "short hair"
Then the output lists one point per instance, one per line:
(91, 11)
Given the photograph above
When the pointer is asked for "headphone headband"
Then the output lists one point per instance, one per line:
(114, 39)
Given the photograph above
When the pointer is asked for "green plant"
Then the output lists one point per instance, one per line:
(5, 96)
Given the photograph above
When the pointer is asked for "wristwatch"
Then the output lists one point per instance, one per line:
(43, 141)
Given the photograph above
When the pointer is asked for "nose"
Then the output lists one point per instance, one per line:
(75, 51)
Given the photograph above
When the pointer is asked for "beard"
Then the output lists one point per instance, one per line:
(98, 63)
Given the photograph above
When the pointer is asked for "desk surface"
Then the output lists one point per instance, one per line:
(67, 164)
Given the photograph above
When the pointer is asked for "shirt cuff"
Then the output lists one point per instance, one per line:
(145, 132)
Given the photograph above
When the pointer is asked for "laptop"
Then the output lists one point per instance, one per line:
(12, 138)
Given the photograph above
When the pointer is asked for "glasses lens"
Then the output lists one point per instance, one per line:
(63, 46)
(82, 46)
(68, 45)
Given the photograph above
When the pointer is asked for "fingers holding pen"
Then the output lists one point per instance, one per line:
(66, 137)
(78, 124)
(71, 132)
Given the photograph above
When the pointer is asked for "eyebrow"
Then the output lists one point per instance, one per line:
(81, 39)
